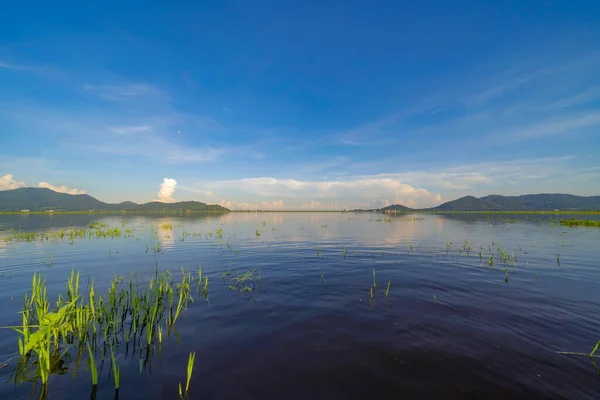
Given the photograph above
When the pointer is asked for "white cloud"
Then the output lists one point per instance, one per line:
(272, 205)
(241, 205)
(7, 183)
(167, 188)
(317, 205)
(271, 192)
(60, 189)
(127, 130)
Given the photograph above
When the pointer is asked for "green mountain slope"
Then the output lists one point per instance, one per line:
(42, 199)
(467, 203)
(529, 202)
(545, 202)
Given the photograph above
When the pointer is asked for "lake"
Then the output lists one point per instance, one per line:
(478, 305)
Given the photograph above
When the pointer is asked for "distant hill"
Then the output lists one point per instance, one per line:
(42, 199)
(529, 202)
(467, 203)
(397, 208)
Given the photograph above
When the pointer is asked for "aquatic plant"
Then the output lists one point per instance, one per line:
(190, 368)
(580, 222)
(77, 321)
(115, 368)
(244, 283)
(374, 280)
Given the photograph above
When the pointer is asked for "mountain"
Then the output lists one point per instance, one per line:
(42, 199)
(545, 202)
(467, 203)
(397, 208)
(529, 202)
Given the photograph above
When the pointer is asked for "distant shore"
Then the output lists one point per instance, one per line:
(589, 212)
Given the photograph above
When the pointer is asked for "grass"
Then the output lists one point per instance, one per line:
(580, 222)
(82, 322)
(93, 369)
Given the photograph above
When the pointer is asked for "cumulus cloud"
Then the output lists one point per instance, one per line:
(238, 205)
(317, 205)
(7, 183)
(61, 189)
(167, 188)
(324, 194)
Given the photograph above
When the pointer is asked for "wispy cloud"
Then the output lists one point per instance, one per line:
(124, 91)
(527, 102)
(161, 150)
(14, 67)
(551, 126)
(584, 97)
(127, 130)
(206, 193)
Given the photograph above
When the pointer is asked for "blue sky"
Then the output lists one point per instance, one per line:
(309, 104)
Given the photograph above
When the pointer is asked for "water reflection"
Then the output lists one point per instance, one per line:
(448, 313)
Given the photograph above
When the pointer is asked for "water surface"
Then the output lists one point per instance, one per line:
(451, 327)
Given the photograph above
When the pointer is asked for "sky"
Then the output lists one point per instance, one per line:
(300, 105)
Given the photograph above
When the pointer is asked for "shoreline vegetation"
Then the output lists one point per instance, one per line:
(187, 212)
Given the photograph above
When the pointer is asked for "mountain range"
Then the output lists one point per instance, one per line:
(528, 202)
(42, 199)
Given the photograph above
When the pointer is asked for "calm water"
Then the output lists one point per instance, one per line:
(450, 328)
